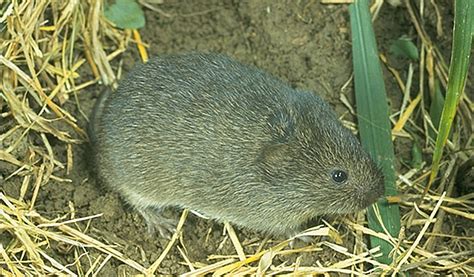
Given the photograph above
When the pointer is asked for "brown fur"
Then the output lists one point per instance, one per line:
(205, 132)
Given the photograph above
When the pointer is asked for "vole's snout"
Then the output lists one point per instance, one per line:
(374, 192)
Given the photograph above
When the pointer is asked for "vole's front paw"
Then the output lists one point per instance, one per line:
(156, 222)
(304, 239)
(298, 238)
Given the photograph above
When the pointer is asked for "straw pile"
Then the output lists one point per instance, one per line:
(51, 51)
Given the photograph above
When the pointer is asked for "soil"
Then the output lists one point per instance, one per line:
(303, 42)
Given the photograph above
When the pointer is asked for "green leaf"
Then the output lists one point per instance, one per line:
(373, 121)
(125, 14)
(404, 47)
(458, 68)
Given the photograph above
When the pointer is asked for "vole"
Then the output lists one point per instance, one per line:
(208, 133)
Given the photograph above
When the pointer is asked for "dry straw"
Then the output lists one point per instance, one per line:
(52, 50)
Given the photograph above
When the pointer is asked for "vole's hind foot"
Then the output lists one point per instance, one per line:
(156, 222)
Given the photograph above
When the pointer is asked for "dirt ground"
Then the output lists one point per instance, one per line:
(303, 42)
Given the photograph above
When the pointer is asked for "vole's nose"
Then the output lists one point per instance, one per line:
(371, 194)
(375, 192)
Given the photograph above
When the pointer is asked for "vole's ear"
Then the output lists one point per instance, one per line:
(274, 154)
(282, 129)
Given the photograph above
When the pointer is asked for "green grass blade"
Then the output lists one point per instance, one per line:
(460, 58)
(373, 119)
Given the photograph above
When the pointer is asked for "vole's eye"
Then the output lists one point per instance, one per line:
(339, 176)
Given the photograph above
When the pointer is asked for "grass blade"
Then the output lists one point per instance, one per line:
(373, 119)
(460, 57)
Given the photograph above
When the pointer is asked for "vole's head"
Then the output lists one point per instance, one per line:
(319, 164)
